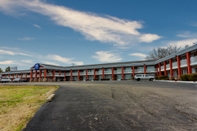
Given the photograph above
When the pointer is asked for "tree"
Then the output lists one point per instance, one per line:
(1, 70)
(158, 53)
(7, 69)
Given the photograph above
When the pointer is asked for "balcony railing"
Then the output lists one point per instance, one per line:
(90, 73)
(127, 71)
(168, 66)
(75, 73)
(118, 72)
(183, 62)
(174, 65)
(150, 70)
(162, 68)
(193, 60)
(107, 72)
(139, 71)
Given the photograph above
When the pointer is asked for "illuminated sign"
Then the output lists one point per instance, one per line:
(37, 66)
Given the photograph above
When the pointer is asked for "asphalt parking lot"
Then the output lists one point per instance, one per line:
(118, 106)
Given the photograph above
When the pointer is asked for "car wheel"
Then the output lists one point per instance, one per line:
(138, 79)
(151, 79)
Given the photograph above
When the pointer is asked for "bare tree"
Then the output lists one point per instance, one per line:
(158, 53)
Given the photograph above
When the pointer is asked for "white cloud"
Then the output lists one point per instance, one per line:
(26, 38)
(107, 56)
(27, 61)
(63, 59)
(183, 43)
(101, 28)
(7, 62)
(37, 26)
(149, 38)
(8, 52)
(187, 34)
(141, 55)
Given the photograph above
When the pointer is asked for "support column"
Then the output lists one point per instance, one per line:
(13, 76)
(188, 55)
(35, 76)
(112, 73)
(86, 74)
(64, 75)
(165, 72)
(21, 76)
(40, 75)
(45, 75)
(122, 73)
(179, 66)
(133, 71)
(16, 75)
(159, 69)
(31, 76)
(78, 75)
(94, 73)
(71, 75)
(103, 73)
(53, 75)
(171, 71)
(144, 68)
(26, 76)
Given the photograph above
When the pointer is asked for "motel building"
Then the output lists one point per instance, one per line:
(174, 65)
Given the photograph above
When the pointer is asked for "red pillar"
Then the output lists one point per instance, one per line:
(13, 76)
(112, 73)
(36, 75)
(71, 75)
(188, 55)
(165, 72)
(86, 74)
(59, 73)
(179, 66)
(94, 73)
(21, 76)
(171, 71)
(159, 69)
(78, 75)
(133, 71)
(40, 75)
(16, 75)
(144, 69)
(103, 73)
(45, 74)
(64, 75)
(53, 75)
(31, 75)
(26, 76)
(123, 73)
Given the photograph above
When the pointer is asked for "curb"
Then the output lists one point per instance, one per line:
(192, 82)
(49, 99)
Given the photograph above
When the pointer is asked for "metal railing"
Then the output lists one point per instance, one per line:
(174, 65)
(183, 62)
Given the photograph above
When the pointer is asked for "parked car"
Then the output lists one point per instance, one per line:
(139, 77)
(19, 80)
(5, 80)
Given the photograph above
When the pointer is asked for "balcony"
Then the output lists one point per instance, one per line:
(183, 63)
(107, 72)
(75, 73)
(174, 65)
(99, 72)
(162, 68)
(139, 71)
(167, 66)
(91, 73)
(151, 70)
(117, 72)
(127, 71)
(82, 73)
(193, 60)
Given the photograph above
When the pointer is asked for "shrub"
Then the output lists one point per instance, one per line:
(184, 77)
(192, 77)
(162, 77)
(105, 79)
(96, 79)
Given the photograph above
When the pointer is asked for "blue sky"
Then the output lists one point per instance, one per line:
(62, 32)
